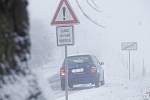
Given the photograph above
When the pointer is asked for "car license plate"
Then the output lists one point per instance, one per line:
(77, 70)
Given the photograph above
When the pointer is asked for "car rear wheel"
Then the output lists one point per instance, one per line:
(103, 82)
(62, 85)
(97, 82)
(70, 85)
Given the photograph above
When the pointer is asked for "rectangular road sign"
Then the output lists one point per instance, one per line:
(129, 45)
(65, 35)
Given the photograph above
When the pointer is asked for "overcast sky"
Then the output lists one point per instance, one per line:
(124, 20)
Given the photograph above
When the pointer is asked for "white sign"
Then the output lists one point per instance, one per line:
(129, 45)
(64, 14)
(65, 35)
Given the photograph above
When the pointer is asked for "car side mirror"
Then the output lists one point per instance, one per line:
(101, 63)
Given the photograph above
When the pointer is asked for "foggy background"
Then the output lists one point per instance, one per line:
(123, 21)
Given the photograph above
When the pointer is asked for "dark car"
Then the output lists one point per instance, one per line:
(82, 69)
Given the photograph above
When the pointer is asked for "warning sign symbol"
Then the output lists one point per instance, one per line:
(64, 14)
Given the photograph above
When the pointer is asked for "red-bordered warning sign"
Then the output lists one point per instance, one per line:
(64, 14)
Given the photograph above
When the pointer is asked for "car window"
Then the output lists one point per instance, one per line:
(76, 60)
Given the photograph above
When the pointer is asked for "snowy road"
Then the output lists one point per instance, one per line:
(110, 91)
(115, 88)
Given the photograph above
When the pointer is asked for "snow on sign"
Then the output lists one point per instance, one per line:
(129, 45)
(64, 14)
(65, 35)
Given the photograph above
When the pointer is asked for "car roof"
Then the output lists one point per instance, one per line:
(79, 55)
(82, 55)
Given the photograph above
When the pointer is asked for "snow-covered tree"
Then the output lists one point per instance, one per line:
(16, 80)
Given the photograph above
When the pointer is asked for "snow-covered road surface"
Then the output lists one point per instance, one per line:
(115, 88)
(132, 90)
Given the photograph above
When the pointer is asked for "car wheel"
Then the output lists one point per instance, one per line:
(103, 82)
(70, 85)
(62, 85)
(97, 82)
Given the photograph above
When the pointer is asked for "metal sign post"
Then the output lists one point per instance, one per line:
(65, 37)
(129, 46)
(64, 19)
(66, 75)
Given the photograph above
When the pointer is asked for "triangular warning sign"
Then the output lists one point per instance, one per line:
(64, 14)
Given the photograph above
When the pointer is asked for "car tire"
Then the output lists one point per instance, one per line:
(70, 85)
(103, 82)
(97, 82)
(62, 85)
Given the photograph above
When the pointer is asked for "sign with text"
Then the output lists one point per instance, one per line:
(65, 35)
(129, 45)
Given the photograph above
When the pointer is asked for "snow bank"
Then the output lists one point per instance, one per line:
(20, 87)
